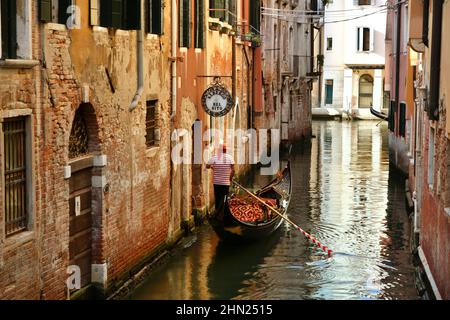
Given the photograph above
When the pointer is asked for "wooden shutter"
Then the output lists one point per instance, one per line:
(425, 21)
(199, 23)
(45, 10)
(12, 39)
(255, 15)
(181, 24)
(392, 111)
(94, 10)
(402, 120)
(131, 15)
(184, 19)
(148, 15)
(9, 29)
(161, 18)
(116, 13)
(156, 17)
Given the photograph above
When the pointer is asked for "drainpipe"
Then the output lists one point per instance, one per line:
(174, 35)
(174, 59)
(140, 63)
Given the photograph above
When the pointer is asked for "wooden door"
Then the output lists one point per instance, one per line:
(80, 204)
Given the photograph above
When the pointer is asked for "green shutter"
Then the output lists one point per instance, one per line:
(147, 15)
(199, 23)
(9, 29)
(156, 17)
(131, 18)
(255, 15)
(187, 23)
(184, 23)
(180, 24)
(45, 10)
(160, 22)
(105, 13)
(116, 13)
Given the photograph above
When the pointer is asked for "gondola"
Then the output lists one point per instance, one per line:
(378, 114)
(229, 222)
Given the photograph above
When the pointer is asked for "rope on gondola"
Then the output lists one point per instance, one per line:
(306, 234)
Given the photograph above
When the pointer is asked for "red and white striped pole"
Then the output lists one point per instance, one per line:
(306, 234)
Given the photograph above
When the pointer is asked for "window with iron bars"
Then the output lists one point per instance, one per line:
(151, 129)
(15, 175)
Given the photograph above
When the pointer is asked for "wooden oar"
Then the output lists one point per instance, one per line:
(306, 234)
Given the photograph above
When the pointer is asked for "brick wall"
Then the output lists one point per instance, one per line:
(435, 222)
(19, 254)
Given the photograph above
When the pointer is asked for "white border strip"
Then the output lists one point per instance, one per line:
(424, 261)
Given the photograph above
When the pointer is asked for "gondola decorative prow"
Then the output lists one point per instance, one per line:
(307, 235)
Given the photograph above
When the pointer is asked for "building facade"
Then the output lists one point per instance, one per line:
(354, 48)
(429, 25)
(287, 66)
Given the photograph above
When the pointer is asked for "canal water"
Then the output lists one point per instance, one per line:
(345, 195)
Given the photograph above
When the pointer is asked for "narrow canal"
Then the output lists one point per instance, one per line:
(343, 194)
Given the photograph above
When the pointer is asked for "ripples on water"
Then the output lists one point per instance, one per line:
(343, 194)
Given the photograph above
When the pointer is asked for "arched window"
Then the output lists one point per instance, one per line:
(79, 137)
(365, 91)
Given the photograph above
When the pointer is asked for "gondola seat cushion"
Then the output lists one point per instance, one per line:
(249, 210)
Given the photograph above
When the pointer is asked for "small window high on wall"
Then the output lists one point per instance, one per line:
(151, 124)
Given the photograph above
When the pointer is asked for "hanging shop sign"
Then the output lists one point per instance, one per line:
(217, 100)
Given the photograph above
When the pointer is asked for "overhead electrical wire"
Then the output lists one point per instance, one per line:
(296, 15)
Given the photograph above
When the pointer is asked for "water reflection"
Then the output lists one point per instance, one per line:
(344, 195)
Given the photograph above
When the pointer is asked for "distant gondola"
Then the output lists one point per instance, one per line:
(277, 194)
(378, 114)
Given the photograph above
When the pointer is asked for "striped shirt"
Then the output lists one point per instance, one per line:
(221, 165)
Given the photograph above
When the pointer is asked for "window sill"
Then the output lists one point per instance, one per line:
(17, 240)
(55, 26)
(18, 63)
(152, 36)
(100, 29)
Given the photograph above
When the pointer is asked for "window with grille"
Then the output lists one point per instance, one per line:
(79, 137)
(151, 138)
(15, 175)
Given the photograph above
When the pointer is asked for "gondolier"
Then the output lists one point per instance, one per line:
(222, 165)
